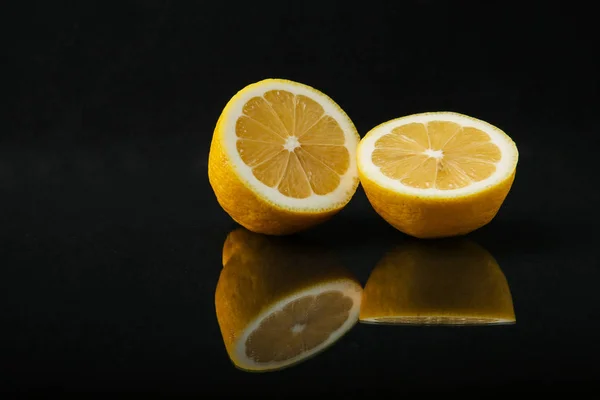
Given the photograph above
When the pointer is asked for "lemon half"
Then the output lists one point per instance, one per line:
(437, 174)
(282, 157)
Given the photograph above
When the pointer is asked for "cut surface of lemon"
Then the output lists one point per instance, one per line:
(448, 282)
(278, 304)
(437, 174)
(283, 157)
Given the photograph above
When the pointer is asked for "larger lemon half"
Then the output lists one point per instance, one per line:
(283, 157)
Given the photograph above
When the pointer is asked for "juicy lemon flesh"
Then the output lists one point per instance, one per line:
(299, 327)
(291, 144)
(438, 155)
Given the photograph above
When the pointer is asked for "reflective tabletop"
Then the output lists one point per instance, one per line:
(136, 279)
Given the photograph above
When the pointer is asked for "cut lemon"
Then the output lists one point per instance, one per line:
(282, 157)
(437, 174)
(278, 304)
(452, 282)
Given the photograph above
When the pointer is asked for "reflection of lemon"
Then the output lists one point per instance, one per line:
(454, 282)
(437, 174)
(278, 303)
(282, 157)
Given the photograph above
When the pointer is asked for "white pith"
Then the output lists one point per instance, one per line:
(314, 202)
(291, 143)
(347, 288)
(504, 167)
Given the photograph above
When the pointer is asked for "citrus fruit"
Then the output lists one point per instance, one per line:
(282, 157)
(279, 303)
(437, 174)
(449, 282)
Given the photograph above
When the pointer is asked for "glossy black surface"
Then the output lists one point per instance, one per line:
(111, 238)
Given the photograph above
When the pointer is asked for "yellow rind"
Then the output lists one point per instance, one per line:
(428, 218)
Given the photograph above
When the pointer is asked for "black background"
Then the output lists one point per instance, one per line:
(110, 235)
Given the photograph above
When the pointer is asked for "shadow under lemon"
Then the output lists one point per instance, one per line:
(279, 302)
(442, 282)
